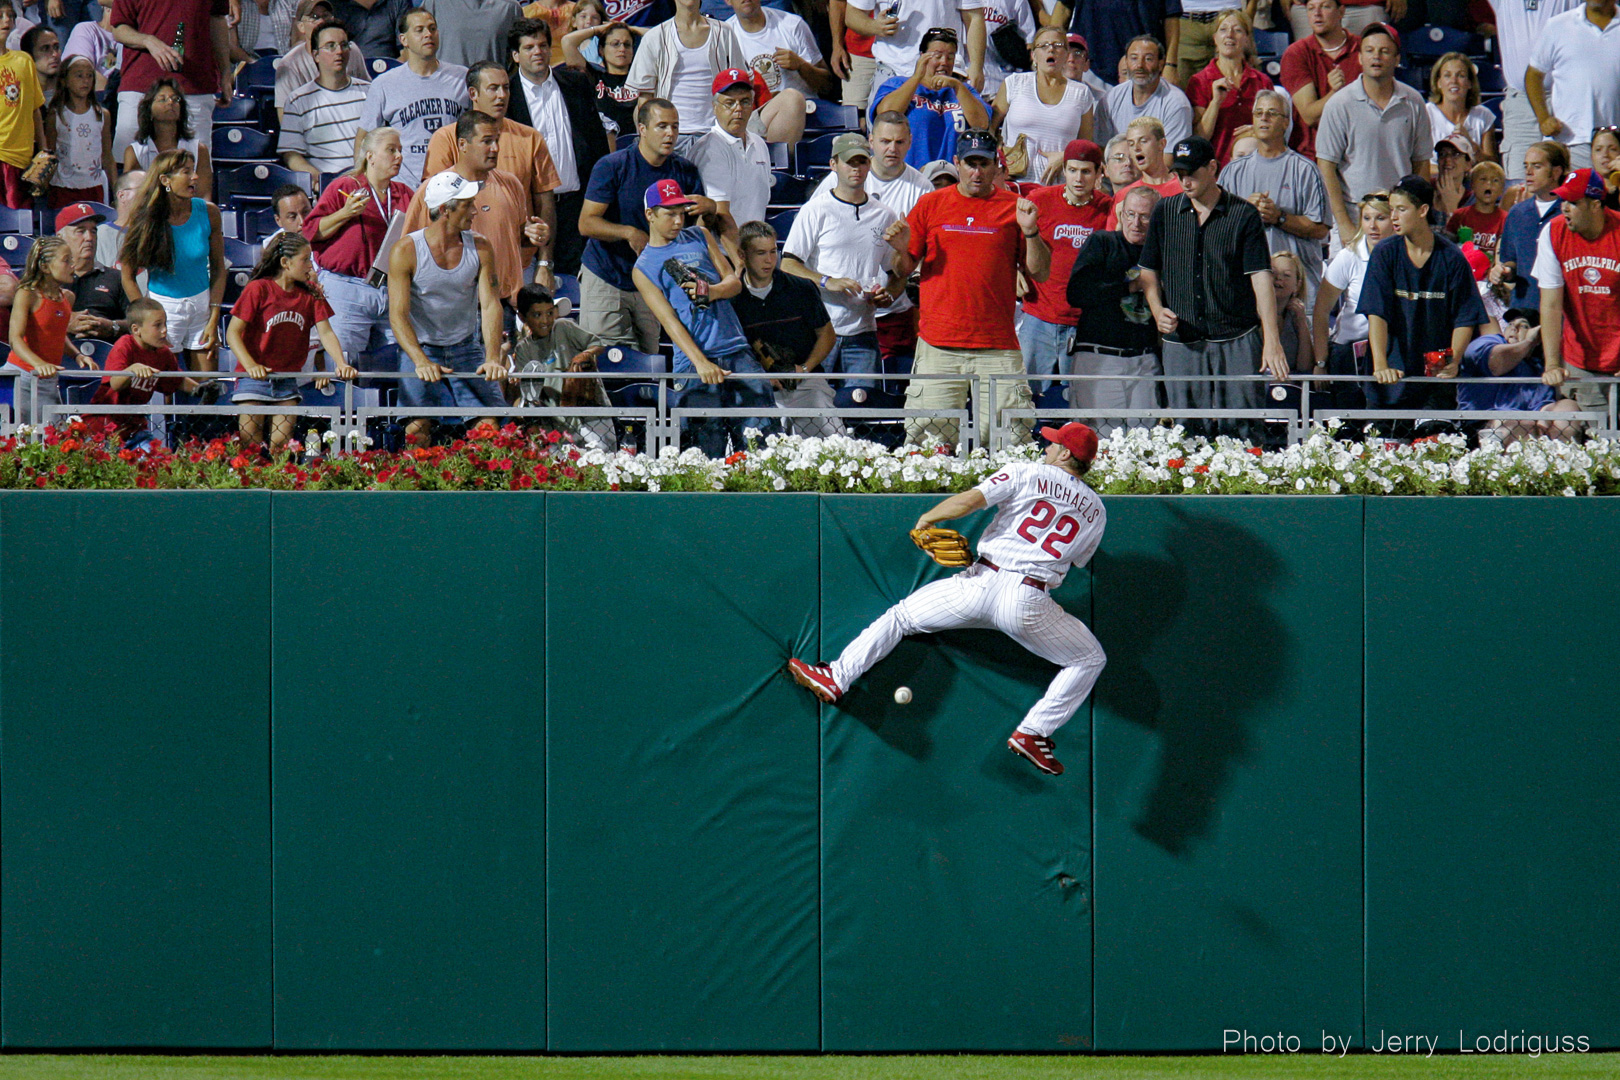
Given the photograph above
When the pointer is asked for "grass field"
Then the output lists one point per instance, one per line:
(1303, 1066)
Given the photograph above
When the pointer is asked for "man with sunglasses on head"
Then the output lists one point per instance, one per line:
(932, 98)
(899, 38)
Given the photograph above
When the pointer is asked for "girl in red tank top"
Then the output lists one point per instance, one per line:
(42, 308)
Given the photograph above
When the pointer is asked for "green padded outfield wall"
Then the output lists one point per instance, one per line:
(409, 730)
(1228, 771)
(1493, 874)
(956, 908)
(682, 773)
(135, 819)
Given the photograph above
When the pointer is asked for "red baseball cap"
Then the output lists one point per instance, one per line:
(1083, 150)
(75, 213)
(1077, 438)
(1080, 40)
(732, 77)
(667, 193)
(1583, 184)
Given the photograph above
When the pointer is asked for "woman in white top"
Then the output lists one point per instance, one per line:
(77, 132)
(1044, 104)
(163, 123)
(1346, 352)
(1454, 106)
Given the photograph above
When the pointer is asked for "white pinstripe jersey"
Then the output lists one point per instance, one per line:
(1047, 520)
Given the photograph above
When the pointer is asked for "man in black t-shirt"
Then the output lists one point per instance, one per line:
(1115, 334)
(98, 292)
(787, 327)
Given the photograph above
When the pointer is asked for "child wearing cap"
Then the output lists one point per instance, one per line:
(686, 280)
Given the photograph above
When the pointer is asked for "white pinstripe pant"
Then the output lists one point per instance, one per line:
(980, 598)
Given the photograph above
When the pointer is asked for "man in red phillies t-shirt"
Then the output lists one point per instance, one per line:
(1314, 68)
(1578, 269)
(150, 30)
(970, 240)
(1070, 213)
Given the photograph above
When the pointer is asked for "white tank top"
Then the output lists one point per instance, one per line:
(1049, 127)
(78, 149)
(694, 75)
(146, 152)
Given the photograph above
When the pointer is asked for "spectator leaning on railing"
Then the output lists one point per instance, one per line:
(1578, 267)
(137, 362)
(40, 313)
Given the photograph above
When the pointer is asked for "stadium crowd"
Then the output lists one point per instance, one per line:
(1021, 188)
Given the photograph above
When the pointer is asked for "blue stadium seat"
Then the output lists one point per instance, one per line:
(15, 247)
(1416, 78)
(1432, 42)
(626, 141)
(78, 385)
(814, 153)
(254, 183)
(243, 109)
(1055, 396)
(326, 180)
(1491, 81)
(312, 395)
(257, 224)
(567, 285)
(235, 282)
(237, 143)
(621, 361)
(1270, 42)
(19, 221)
(239, 255)
(1493, 102)
(381, 64)
(783, 222)
(826, 115)
(261, 73)
(791, 191)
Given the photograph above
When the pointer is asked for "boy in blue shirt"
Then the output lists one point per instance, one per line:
(1514, 353)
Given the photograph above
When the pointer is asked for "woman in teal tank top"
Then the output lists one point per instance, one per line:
(176, 238)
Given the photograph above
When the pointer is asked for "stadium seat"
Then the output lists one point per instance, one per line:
(1055, 396)
(260, 74)
(240, 255)
(19, 221)
(1491, 81)
(235, 281)
(381, 64)
(815, 153)
(255, 183)
(1416, 78)
(243, 109)
(78, 385)
(1432, 42)
(236, 143)
(626, 141)
(257, 224)
(781, 158)
(1493, 102)
(790, 191)
(1270, 42)
(15, 248)
(326, 180)
(567, 286)
(823, 115)
(783, 222)
(621, 362)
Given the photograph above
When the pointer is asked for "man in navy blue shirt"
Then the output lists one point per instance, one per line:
(1419, 298)
(1545, 164)
(1514, 353)
(612, 218)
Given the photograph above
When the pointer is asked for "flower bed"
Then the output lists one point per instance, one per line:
(1152, 461)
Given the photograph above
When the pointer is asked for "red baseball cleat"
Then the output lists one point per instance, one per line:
(816, 678)
(1037, 749)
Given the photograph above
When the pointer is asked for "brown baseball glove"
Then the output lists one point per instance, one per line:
(945, 546)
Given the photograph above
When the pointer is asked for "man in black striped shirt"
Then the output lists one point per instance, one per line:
(1201, 246)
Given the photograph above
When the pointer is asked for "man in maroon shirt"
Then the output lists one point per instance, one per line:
(1315, 67)
(184, 39)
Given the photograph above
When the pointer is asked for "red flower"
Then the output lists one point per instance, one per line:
(553, 436)
(127, 455)
(62, 469)
(1175, 463)
(70, 445)
(738, 456)
(1256, 451)
(1200, 468)
(240, 461)
(40, 481)
(570, 472)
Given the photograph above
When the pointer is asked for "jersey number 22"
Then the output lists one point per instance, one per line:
(1040, 518)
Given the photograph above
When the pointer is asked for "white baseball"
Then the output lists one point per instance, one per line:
(902, 695)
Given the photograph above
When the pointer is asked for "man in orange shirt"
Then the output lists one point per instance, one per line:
(523, 153)
(500, 209)
(970, 239)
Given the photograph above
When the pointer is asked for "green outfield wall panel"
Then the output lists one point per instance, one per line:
(682, 767)
(956, 880)
(1493, 873)
(1228, 771)
(134, 780)
(409, 771)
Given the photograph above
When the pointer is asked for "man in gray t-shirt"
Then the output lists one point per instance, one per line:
(1285, 187)
(417, 98)
(1145, 92)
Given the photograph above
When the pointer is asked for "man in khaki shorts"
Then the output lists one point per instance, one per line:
(970, 239)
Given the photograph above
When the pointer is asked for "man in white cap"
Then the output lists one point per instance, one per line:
(431, 273)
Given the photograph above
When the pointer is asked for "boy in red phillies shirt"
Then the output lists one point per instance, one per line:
(1070, 213)
(269, 333)
(1484, 215)
(143, 355)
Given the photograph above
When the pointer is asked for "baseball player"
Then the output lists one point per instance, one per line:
(1047, 520)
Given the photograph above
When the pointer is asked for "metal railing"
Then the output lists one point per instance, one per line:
(662, 414)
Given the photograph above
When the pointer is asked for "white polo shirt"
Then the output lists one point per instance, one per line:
(735, 171)
(1582, 65)
(840, 239)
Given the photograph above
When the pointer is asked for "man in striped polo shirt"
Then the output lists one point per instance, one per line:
(319, 123)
